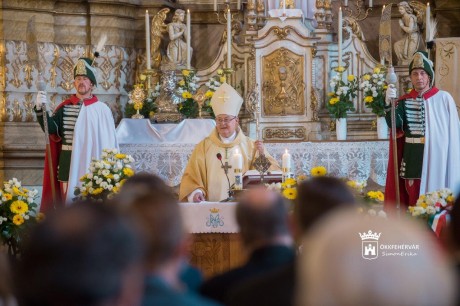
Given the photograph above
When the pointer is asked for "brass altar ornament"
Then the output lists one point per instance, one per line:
(137, 96)
(199, 97)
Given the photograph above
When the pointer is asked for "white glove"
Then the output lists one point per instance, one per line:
(390, 94)
(40, 100)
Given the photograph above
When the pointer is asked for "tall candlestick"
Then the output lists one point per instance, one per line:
(147, 38)
(188, 39)
(370, 3)
(215, 5)
(340, 37)
(229, 39)
(427, 22)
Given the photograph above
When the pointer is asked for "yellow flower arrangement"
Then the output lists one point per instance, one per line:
(105, 176)
(18, 211)
(318, 171)
(375, 196)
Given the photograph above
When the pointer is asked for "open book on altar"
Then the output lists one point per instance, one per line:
(252, 178)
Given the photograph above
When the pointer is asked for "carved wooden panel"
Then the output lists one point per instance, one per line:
(215, 253)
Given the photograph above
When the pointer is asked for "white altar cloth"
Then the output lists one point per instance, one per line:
(209, 217)
(141, 131)
(357, 160)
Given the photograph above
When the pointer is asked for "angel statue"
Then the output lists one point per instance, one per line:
(157, 30)
(411, 25)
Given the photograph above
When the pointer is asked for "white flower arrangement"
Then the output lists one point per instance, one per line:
(432, 203)
(188, 85)
(105, 176)
(374, 88)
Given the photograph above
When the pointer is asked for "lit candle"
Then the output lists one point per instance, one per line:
(215, 5)
(383, 9)
(370, 3)
(147, 38)
(340, 37)
(188, 39)
(229, 39)
(286, 161)
(284, 7)
(237, 163)
(237, 160)
(427, 22)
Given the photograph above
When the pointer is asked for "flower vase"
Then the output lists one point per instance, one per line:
(382, 128)
(341, 128)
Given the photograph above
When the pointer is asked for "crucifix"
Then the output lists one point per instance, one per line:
(226, 166)
(224, 97)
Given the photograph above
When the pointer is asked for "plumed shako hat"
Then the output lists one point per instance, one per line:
(84, 67)
(421, 61)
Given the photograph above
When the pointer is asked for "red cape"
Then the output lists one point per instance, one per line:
(390, 188)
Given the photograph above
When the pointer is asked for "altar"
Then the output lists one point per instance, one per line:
(164, 149)
(216, 246)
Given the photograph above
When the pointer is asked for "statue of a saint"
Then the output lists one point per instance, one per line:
(406, 47)
(177, 47)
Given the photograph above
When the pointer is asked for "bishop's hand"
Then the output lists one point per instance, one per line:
(259, 146)
(198, 197)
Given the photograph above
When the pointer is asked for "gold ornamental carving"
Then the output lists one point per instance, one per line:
(314, 104)
(29, 107)
(282, 33)
(283, 83)
(293, 133)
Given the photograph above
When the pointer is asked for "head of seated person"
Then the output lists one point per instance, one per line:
(84, 254)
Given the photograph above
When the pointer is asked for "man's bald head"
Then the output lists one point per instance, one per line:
(262, 216)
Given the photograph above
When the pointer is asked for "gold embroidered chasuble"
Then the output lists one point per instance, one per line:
(204, 170)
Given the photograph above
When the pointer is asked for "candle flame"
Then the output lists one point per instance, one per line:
(236, 151)
(286, 151)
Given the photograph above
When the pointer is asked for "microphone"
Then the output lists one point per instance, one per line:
(230, 192)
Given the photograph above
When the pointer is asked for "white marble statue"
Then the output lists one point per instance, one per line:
(406, 47)
(177, 47)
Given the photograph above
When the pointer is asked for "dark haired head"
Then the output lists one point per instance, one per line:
(318, 196)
